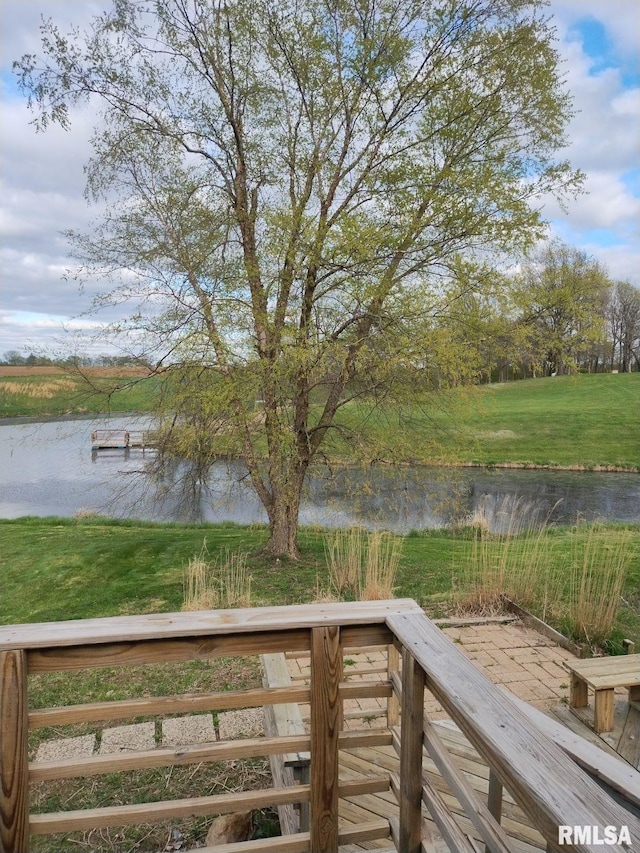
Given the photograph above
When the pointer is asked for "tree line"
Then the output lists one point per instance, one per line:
(559, 313)
(15, 358)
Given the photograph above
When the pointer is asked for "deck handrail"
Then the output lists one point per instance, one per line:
(213, 623)
(544, 781)
(549, 787)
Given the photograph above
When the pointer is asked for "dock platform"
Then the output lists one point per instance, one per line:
(121, 439)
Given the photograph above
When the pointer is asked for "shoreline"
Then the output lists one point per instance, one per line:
(600, 468)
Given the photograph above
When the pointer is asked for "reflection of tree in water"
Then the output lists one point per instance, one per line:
(173, 490)
(400, 498)
(189, 491)
(396, 498)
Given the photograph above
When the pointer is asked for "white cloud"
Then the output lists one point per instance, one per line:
(607, 203)
(621, 19)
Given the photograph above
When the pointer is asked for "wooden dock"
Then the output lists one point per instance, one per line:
(121, 439)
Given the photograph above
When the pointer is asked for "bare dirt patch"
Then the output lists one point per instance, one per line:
(498, 433)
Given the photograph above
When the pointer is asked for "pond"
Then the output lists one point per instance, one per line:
(49, 469)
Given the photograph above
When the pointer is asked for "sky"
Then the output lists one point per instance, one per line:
(42, 176)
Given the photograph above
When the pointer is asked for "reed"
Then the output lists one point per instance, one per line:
(362, 564)
(377, 579)
(217, 585)
(513, 563)
(345, 549)
(597, 575)
(578, 589)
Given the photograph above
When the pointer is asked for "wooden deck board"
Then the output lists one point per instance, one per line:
(629, 743)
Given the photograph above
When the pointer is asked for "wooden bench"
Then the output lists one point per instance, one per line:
(603, 675)
(290, 768)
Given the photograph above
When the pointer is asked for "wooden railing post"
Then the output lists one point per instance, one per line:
(326, 673)
(411, 736)
(14, 754)
(494, 801)
(393, 706)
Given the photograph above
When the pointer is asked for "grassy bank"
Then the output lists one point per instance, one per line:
(564, 421)
(56, 569)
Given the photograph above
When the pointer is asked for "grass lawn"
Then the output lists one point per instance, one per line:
(56, 568)
(565, 421)
(81, 568)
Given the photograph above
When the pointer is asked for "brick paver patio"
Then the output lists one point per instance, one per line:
(525, 662)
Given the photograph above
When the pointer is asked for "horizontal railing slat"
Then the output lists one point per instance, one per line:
(372, 830)
(94, 765)
(142, 652)
(103, 818)
(189, 703)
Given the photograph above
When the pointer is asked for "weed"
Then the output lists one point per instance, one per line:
(363, 564)
(218, 585)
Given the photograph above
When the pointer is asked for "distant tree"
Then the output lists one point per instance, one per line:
(562, 294)
(623, 315)
(13, 357)
(292, 183)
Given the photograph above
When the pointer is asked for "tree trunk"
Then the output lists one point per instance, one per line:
(283, 530)
(283, 511)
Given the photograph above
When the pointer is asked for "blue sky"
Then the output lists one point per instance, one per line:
(42, 178)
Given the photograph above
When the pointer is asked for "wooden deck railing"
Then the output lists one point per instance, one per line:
(550, 788)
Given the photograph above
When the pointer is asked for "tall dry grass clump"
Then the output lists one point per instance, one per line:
(576, 586)
(218, 584)
(599, 565)
(362, 564)
(377, 580)
(514, 563)
(344, 550)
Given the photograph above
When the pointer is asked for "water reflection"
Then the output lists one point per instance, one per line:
(49, 469)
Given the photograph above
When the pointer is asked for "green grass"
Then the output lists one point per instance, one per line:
(581, 421)
(81, 568)
(56, 569)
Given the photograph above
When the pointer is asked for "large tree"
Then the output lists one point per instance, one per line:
(292, 183)
(562, 293)
(623, 317)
